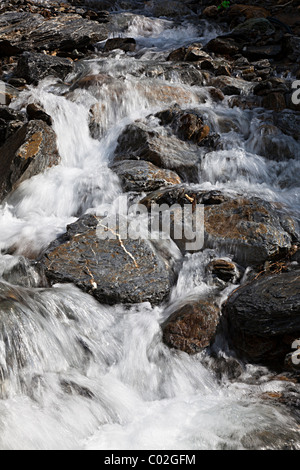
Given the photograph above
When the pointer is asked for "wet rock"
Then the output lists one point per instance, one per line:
(34, 67)
(17, 82)
(62, 34)
(112, 270)
(274, 101)
(231, 85)
(289, 123)
(188, 125)
(36, 112)
(239, 12)
(216, 94)
(250, 229)
(183, 195)
(143, 176)
(253, 27)
(10, 122)
(229, 90)
(223, 46)
(7, 49)
(291, 48)
(28, 152)
(169, 8)
(125, 44)
(138, 142)
(272, 85)
(24, 273)
(210, 12)
(7, 93)
(270, 142)
(92, 81)
(224, 269)
(264, 318)
(262, 52)
(192, 327)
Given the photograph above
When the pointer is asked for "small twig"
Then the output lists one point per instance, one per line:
(121, 243)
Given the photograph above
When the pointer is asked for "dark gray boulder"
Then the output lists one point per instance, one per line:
(263, 318)
(112, 270)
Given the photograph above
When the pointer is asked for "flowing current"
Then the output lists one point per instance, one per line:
(76, 374)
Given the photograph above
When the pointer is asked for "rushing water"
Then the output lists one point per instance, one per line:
(79, 375)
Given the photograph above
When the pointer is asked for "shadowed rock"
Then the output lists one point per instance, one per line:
(264, 318)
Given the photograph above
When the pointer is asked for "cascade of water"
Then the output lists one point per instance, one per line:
(78, 374)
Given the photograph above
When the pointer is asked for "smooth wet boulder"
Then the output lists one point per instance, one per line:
(143, 176)
(264, 318)
(113, 270)
(35, 66)
(252, 230)
(28, 152)
(139, 142)
(192, 327)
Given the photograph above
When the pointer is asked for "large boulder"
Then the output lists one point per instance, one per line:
(192, 327)
(26, 153)
(264, 318)
(112, 270)
(252, 230)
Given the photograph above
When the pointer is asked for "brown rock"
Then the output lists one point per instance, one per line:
(275, 101)
(249, 229)
(223, 269)
(223, 46)
(28, 152)
(247, 11)
(35, 112)
(125, 44)
(192, 327)
(211, 12)
(143, 176)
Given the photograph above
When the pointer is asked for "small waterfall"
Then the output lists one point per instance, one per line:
(76, 374)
